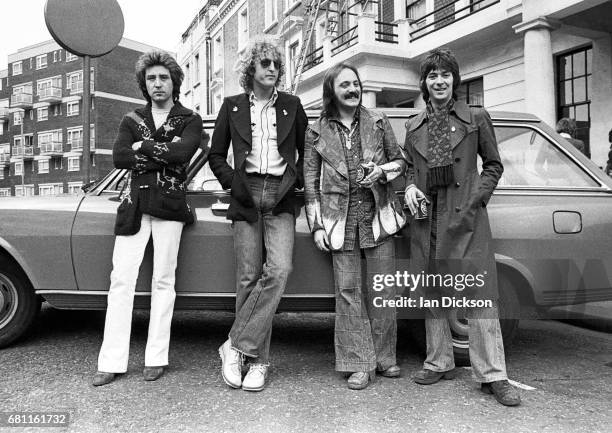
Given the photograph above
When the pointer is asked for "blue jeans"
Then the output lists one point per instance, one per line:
(260, 285)
(365, 336)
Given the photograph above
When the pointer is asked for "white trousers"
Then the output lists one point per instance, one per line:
(127, 258)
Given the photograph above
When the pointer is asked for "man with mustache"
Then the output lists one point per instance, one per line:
(350, 157)
(442, 145)
(266, 129)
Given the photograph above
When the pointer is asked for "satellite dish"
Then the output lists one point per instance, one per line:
(85, 27)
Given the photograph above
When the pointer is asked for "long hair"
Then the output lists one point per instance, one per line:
(159, 58)
(439, 58)
(330, 105)
(260, 48)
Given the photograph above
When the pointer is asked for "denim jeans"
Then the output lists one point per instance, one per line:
(365, 336)
(259, 284)
(485, 337)
(127, 257)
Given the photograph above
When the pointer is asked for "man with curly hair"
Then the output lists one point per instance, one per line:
(155, 143)
(266, 128)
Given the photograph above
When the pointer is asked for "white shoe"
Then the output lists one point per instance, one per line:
(255, 379)
(231, 367)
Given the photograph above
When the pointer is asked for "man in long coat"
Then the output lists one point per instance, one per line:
(442, 145)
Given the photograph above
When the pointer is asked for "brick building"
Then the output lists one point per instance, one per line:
(41, 122)
(549, 58)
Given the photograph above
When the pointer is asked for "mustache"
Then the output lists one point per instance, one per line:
(353, 94)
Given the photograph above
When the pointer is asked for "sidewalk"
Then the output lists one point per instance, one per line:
(594, 315)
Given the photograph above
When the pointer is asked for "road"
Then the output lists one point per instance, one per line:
(569, 369)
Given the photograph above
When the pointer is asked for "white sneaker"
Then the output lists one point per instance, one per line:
(231, 367)
(255, 379)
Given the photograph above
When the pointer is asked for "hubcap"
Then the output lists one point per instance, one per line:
(8, 301)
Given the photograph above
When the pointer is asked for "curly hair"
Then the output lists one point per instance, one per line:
(257, 50)
(159, 58)
(439, 58)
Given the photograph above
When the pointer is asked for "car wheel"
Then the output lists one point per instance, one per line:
(509, 308)
(18, 305)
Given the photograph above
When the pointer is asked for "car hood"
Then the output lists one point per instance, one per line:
(68, 203)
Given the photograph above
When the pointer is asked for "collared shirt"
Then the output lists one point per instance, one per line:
(264, 157)
(362, 207)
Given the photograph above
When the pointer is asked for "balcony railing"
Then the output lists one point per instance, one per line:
(386, 32)
(51, 147)
(21, 100)
(5, 158)
(4, 114)
(313, 58)
(50, 94)
(344, 40)
(442, 16)
(23, 151)
(76, 144)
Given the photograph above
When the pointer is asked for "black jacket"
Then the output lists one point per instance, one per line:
(159, 167)
(234, 125)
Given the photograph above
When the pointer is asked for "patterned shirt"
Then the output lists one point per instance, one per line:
(264, 157)
(361, 208)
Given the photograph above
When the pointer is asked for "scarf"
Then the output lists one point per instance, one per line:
(439, 151)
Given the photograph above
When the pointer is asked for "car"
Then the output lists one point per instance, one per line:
(550, 218)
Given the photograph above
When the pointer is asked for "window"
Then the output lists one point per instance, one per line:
(530, 160)
(243, 28)
(75, 138)
(19, 168)
(18, 118)
(42, 113)
(24, 190)
(218, 54)
(187, 78)
(1, 128)
(471, 92)
(54, 56)
(70, 57)
(57, 109)
(17, 68)
(50, 189)
(49, 87)
(196, 69)
(43, 166)
(72, 108)
(271, 12)
(293, 55)
(574, 90)
(5, 192)
(74, 187)
(41, 61)
(1, 173)
(74, 82)
(74, 163)
(58, 163)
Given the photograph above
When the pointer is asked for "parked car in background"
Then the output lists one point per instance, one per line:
(550, 218)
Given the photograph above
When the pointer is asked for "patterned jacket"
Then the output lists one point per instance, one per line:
(326, 182)
(159, 167)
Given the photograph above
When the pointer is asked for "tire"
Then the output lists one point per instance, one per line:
(509, 307)
(19, 305)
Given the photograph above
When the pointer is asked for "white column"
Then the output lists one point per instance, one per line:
(368, 99)
(366, 28)
(539, 72)
(327, 49)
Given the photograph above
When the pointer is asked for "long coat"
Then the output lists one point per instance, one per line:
(463, 231)
(233, 126)
(326, 177)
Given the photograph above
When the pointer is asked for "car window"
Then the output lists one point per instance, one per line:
(531, 160)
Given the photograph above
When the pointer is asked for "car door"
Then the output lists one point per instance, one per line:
(550, 216)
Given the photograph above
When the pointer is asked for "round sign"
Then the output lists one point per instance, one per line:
(85, 27)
